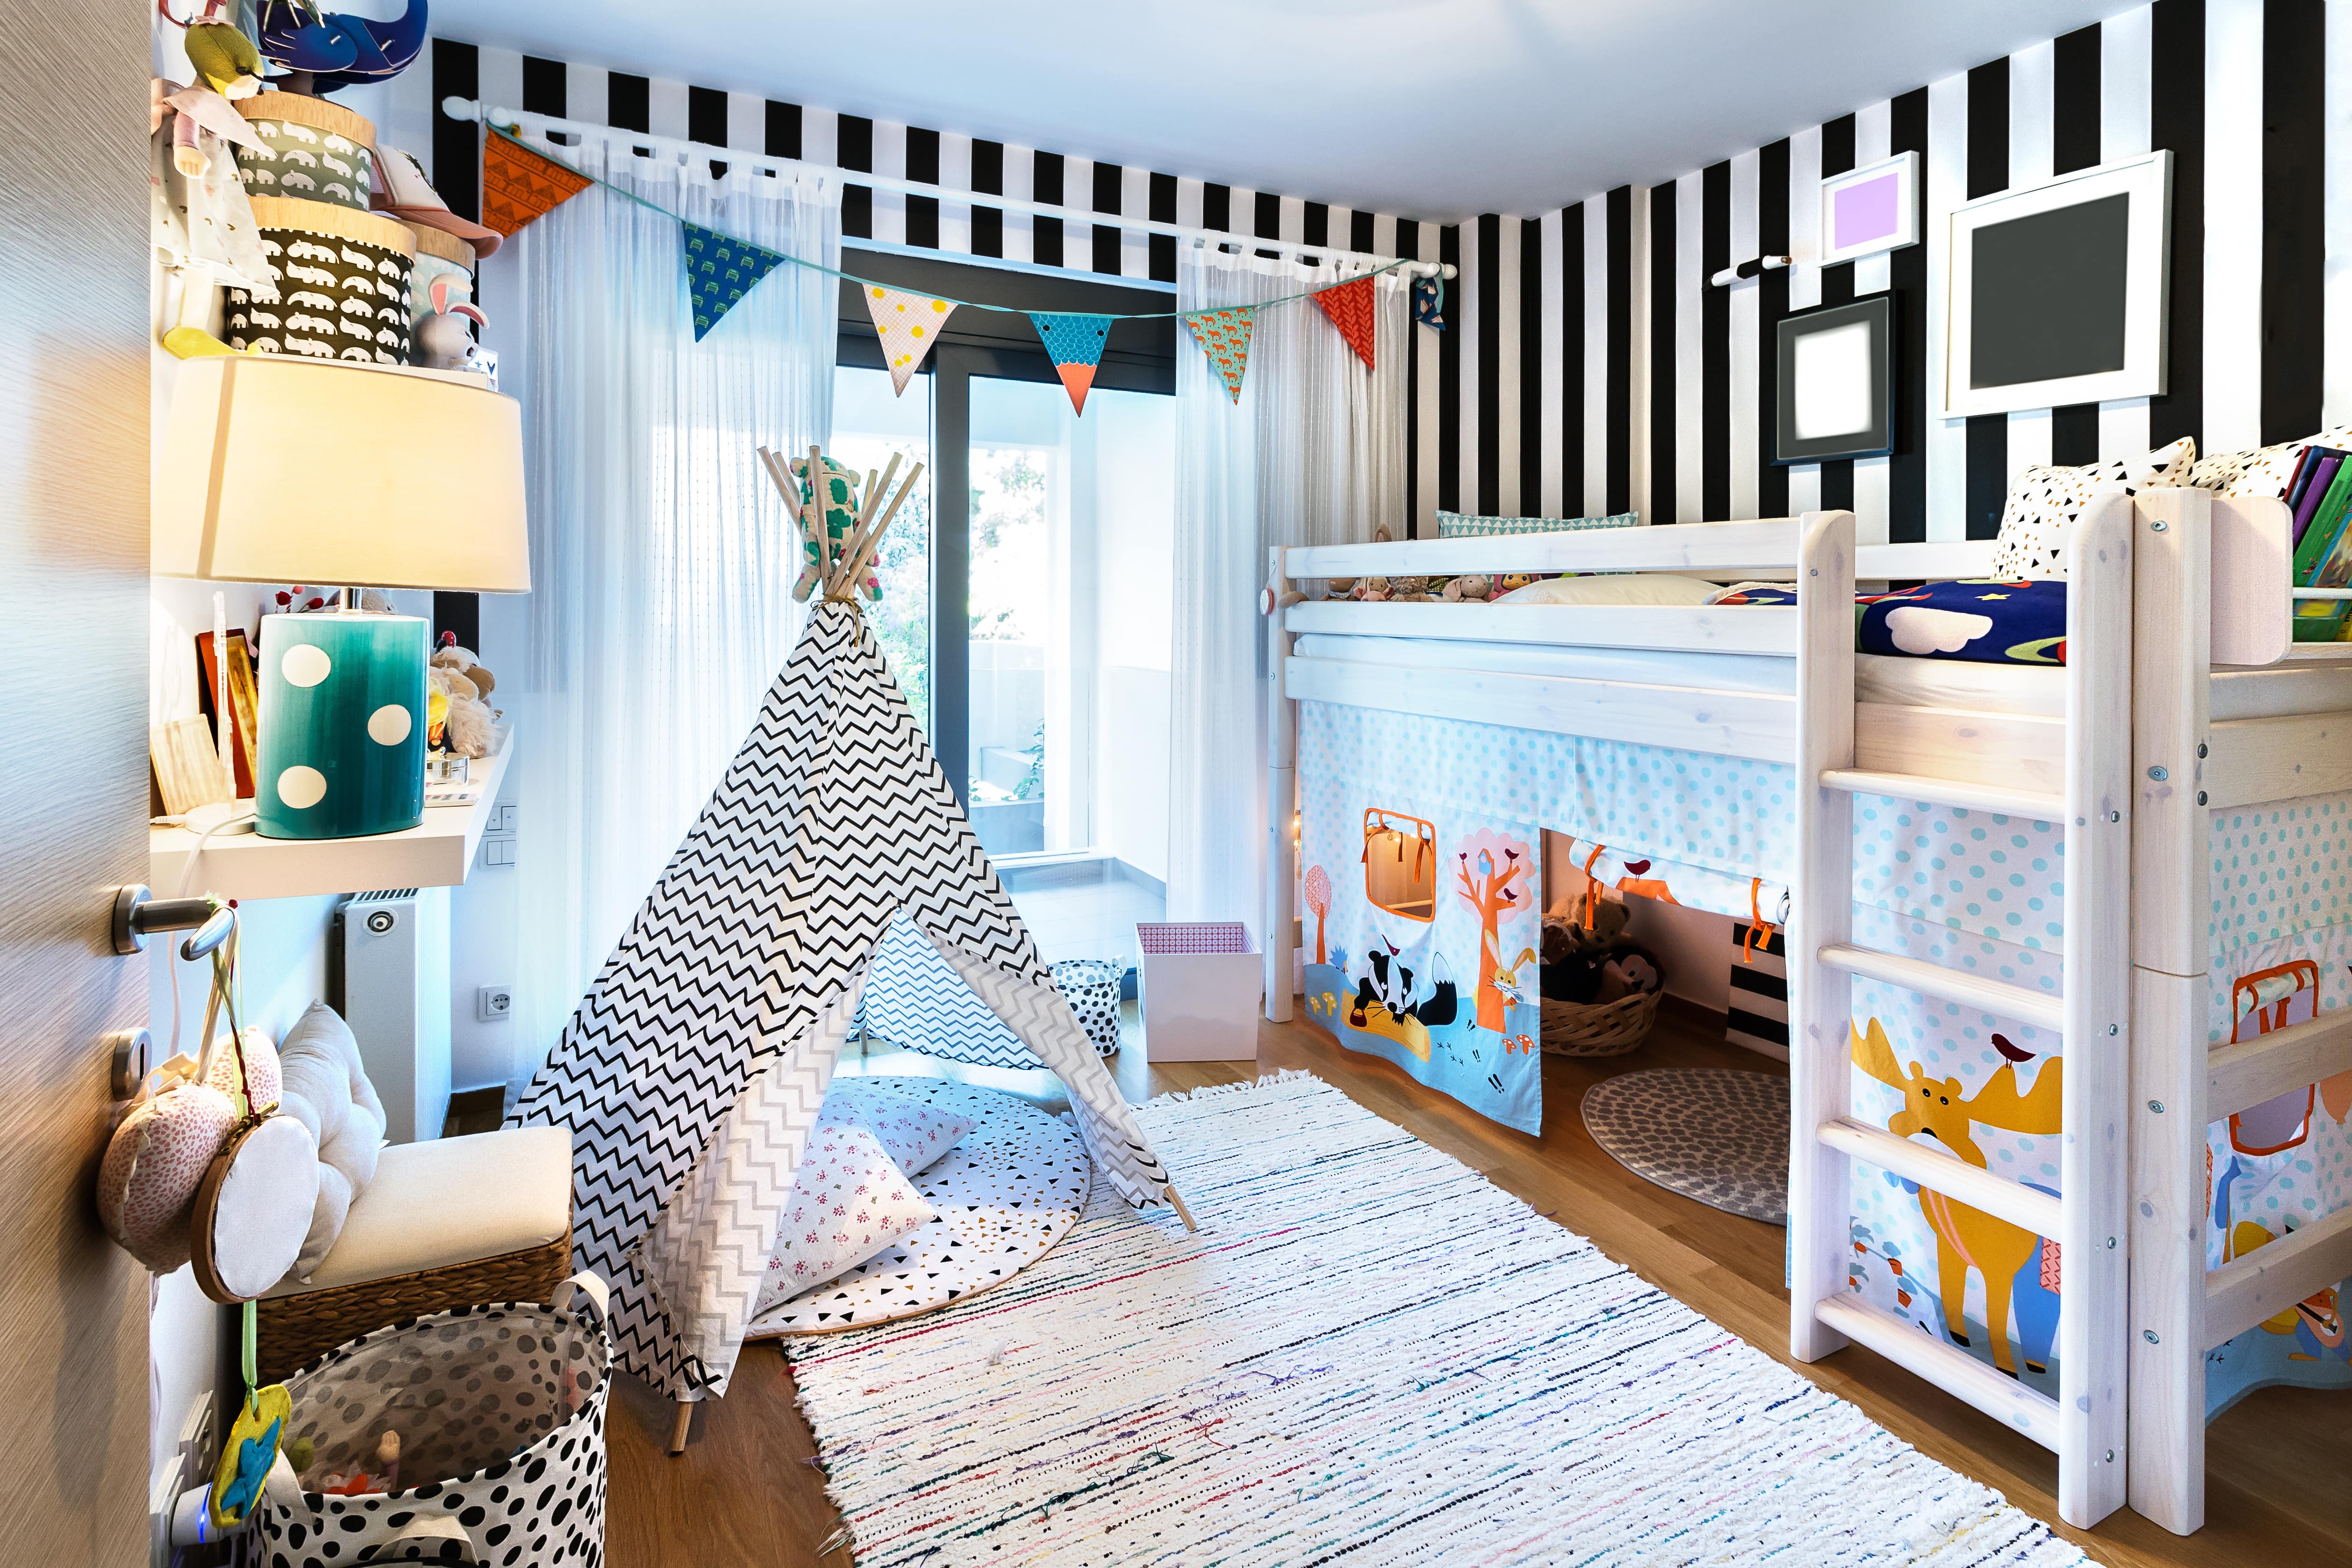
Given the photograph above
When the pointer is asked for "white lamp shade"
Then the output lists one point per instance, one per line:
(285, 470)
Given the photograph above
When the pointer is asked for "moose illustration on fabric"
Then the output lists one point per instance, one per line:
(1965, 1237)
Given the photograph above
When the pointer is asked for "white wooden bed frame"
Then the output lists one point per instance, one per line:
(2162, 589)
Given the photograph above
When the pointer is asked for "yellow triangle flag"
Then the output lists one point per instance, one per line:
(908, 324)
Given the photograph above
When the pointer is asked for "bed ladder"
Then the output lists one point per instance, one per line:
(2085, 1425)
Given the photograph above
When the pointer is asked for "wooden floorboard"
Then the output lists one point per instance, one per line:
(2280, 1488)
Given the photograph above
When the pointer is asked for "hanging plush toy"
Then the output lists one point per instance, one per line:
(333, 49)
(202, 223)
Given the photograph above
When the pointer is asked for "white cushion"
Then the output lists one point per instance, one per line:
(453, 1200)
(2047, 499)
(2262, 470)
(327, 1090)
(849, 1202)
(913, 1133)
(1615, 588)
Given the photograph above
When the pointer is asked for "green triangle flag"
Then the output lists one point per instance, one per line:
(720, 271)
(1224, 335)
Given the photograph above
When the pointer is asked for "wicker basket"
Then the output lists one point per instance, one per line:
(294, 1330)
(1601, 1028)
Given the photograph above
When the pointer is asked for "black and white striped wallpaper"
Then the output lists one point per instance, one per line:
(1544, 406)
(1588, 367)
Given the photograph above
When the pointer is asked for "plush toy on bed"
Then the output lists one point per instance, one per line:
(1474, 588)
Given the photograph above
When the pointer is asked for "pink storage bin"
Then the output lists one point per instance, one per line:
(1199, 983)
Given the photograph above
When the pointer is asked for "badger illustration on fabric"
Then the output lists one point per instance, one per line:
(1390, 1002)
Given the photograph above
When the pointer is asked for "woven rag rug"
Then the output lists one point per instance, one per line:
(1367, 1353)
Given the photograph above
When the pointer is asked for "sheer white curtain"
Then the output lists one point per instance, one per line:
(1313, 453)
(662, 564)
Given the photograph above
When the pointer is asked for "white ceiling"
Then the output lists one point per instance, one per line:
(1436, 109)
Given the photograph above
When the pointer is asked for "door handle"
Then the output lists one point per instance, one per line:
(139, 914)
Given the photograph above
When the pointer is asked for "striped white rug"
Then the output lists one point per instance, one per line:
(1371, 1353)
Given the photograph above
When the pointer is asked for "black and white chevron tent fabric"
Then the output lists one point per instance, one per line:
(693, 1071)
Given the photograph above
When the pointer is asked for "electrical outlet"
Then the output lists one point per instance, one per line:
(493, 1003)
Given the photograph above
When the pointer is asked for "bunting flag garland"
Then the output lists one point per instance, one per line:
(519, 184)
(1349, 306)
(908, 323)
(720, 271)
(1075, 343)
(1429, 304)
(1224, 335)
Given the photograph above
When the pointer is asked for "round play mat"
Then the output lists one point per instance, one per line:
(1006, 1193)
(1718, 1136)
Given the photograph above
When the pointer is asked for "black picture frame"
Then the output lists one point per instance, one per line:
(1876, 439)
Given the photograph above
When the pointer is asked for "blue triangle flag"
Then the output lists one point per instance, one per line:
(720, 271)
(1074, 342)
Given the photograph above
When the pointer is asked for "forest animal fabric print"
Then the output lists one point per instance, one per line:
(334, 298)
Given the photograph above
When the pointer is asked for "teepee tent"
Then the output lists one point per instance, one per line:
(692, 1072)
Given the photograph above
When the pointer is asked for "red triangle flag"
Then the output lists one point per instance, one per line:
(519, 184)
(1349, 306)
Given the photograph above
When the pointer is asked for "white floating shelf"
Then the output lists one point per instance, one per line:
(436, 853)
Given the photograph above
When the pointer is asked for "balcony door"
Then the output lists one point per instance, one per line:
(1046, 698)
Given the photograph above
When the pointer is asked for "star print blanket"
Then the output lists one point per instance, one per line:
(1986, 621)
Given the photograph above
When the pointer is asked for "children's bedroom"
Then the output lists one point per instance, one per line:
(1542, 784)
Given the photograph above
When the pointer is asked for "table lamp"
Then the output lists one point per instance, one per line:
(278, 470)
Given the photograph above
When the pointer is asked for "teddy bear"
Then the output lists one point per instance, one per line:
(457, 718)
(1474, 587)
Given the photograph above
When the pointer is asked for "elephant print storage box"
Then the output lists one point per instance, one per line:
(339, 285)
(312, 151)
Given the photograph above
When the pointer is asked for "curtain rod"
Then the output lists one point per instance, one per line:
(524, 121)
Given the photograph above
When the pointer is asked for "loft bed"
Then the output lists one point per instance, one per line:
(2177, 616)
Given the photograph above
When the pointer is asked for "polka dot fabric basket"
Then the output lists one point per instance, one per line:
(500, 1412)
(1091, 987)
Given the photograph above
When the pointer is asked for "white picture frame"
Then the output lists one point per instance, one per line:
(1880, 211)
(2146, 182)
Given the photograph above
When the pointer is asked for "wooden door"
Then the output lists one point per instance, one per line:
(73, 768)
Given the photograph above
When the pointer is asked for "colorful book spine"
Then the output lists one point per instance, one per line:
(2321, 463)
(2322, 561)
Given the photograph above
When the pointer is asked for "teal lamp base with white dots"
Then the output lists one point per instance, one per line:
(342, 725)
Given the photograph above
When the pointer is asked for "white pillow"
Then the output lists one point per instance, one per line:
(2047, 499)
(328, 1091)
(1615, 588)
(2263, 470)
(912, 1132)
(849, 1202)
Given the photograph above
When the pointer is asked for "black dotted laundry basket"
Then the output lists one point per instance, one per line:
(1091, 985)
(500, 1412)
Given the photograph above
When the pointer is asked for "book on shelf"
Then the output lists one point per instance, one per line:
(2323, 560)
(2313, 475)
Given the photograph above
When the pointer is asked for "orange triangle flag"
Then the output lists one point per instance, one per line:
(1349, 306)
(520, 185)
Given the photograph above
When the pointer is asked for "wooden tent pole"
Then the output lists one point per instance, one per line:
(854, 551)
(874, 537)
(678, 1428)
(1182, 1212)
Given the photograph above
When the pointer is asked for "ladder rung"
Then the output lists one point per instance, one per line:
(1946, 1174)
(2039, 804)
(1948, 1367)
(2035, 1007)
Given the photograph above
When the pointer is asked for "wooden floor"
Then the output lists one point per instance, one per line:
(2280, 1488)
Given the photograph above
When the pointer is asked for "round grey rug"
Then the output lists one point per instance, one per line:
(1718, 1136)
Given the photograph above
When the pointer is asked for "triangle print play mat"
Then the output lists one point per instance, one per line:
(1006, 1193)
